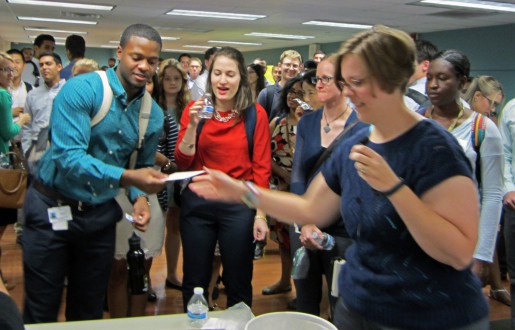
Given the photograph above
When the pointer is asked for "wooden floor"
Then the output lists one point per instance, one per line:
(266, 272)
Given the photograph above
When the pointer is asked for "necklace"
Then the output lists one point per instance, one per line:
(327, 128)
(225, 119)
(455, 122)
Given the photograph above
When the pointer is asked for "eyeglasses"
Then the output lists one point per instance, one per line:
(353, 84)
(493, 104)
(324, 80)
(291, 66)
(9, 70)
(299, 94)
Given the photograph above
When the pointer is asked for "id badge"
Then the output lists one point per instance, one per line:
(59, 217)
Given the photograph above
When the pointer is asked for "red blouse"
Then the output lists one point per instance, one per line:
(224, 146)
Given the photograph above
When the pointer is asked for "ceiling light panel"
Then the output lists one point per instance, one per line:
(61, 4)
(55, 20)
(340, 25)
(473, 4)
(235, 42)
(280, 36)
(214, 14)
(53, 30)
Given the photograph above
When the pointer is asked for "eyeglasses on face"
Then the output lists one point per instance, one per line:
(291, 66)
(8, 70)
(353, 84)
(299, 94)
(492, 104)
(324, 80)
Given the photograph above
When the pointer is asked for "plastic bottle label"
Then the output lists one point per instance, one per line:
(196, 316)
(208, 109)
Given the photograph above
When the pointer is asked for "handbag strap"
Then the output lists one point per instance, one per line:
(327, 152)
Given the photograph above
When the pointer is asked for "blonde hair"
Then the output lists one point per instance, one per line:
(291, 54)
(183, 97)
(88, 63)
(486, 85)
(6, 57)
(389, 54)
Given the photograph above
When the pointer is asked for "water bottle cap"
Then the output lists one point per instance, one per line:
(207, 95)
(134, 240)
(198, 290)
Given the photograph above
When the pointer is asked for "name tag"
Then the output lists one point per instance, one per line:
(59, 217)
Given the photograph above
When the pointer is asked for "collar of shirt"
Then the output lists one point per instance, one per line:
(117, 87)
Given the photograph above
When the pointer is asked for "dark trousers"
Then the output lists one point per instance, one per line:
(345, 319)
(83, 253)
(509, 238)
(203, 223)
(309, 289)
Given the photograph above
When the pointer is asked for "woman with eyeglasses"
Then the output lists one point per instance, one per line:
(405, 192)
(480, 140)
(486, 96)
(316, 132)
(8, 130)
(284, 131)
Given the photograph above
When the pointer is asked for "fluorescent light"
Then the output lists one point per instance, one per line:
(282, 36)
(108, 46)
(54, 31)
(114, 41)
(235, 42)
(336, 24)
(55, 20)
(486, 5)
(214, 14)
(56, 38)
(61, 4)
(196, 46)
(182, 51)
(170, 38)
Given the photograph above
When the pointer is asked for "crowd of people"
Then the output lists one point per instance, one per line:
(381, 145)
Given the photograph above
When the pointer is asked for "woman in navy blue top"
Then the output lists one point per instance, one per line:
(405, 193)
(315, 132)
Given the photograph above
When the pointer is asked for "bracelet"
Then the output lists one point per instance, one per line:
(261, 217)
(190, 145)
(394, 189)
(250, 198)
(144, 196)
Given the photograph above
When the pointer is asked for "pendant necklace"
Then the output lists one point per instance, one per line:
(327, 128)
(455, 122)
(226, 118)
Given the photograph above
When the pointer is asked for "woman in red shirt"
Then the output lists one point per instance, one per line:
(222, 143)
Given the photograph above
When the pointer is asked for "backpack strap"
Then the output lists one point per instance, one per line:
(416, 96)
(477, 135)
(106, 100)
(270, 92)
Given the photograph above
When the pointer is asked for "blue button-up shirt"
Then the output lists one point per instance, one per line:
(86, 163)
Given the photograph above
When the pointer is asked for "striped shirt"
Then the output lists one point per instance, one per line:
(85, 163)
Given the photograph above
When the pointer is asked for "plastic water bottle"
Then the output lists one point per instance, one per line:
(304, 105)
(207, 110)
(327, 241)
(197, 308)
(138, 277)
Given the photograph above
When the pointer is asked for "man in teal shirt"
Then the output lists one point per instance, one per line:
(70, 209)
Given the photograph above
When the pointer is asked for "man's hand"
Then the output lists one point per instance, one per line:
(17, 111)
(146, 179)
(509, 200)
(141, 213)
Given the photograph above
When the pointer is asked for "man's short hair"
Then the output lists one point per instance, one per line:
(319, 52)
(76, 45)
(15, 51)
(41, 38)
(112, 59)
(426, 50)
(291, 54)
(184, 55)
(56, 57)
(140, 30)
(210, 52)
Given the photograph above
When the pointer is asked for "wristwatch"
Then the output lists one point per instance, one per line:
(143, 195)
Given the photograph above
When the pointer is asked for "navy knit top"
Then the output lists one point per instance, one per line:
(388, 278)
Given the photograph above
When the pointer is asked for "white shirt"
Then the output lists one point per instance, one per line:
(28, 73)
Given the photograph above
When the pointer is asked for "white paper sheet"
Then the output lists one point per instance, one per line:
(183, 175)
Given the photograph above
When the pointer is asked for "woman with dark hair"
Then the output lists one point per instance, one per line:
(404, 191)
(480, 140)
(284, 130)
(222, 143)
(256, 77)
